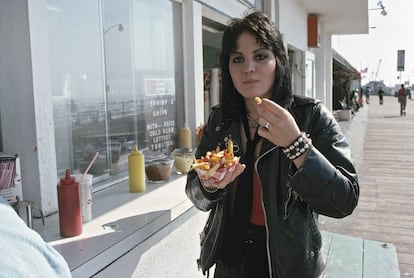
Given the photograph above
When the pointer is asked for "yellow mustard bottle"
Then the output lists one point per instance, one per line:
(136, 170)
(185, 137)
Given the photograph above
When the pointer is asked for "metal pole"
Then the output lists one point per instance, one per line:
(29, 217)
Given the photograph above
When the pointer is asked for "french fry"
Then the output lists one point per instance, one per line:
(258, 100)
(230, 146)
(201, 165)
(212, 170)
(215, 160)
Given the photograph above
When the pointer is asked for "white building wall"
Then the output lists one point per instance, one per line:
(293, 26)
(25, 92)
(293, 23)
(327, 45)
(324, 68)
(320, 71)
(193, 63)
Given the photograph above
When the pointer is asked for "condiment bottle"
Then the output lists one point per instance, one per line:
(70, 216)
(136, 170)
(185, 137)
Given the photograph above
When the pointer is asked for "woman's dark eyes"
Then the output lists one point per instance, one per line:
(261, 56)
(240, 59)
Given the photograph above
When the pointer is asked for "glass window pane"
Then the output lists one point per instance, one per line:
(155, 72)
(114, 79)
(77, 81)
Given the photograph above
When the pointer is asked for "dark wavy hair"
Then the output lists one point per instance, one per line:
(261, 27)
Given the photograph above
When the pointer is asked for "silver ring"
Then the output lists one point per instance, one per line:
(267, 125)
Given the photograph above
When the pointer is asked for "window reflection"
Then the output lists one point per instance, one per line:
(114, 81)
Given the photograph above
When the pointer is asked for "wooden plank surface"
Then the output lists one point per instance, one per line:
(385, 164)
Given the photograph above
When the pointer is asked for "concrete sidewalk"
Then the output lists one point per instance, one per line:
(383, 147)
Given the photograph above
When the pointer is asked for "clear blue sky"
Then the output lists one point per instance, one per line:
(392, 32)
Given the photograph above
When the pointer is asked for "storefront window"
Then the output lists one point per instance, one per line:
(114, 71)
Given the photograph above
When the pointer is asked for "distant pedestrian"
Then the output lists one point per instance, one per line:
(381, 96)
(360, 98)
(402, 99)
(366, 91)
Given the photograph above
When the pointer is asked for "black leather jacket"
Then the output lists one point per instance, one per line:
(326, 184)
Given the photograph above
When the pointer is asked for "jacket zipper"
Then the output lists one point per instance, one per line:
(286, 206)
(265, 217)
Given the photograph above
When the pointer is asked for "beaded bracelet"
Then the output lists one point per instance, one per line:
(211, 191)
(298, 147)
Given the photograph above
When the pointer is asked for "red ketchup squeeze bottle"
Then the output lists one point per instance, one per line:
(70, 216)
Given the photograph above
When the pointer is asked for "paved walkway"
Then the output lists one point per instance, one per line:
(385, 163)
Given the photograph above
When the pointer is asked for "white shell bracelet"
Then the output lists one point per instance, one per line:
(298, 147)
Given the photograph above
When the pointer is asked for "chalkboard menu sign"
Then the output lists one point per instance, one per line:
(160, 122)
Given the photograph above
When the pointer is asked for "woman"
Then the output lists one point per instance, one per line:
(263, 215)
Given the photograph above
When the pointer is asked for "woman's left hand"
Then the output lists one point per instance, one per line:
(276, 124)
(212, 183)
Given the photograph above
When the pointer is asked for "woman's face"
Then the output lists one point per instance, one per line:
(252, 67)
